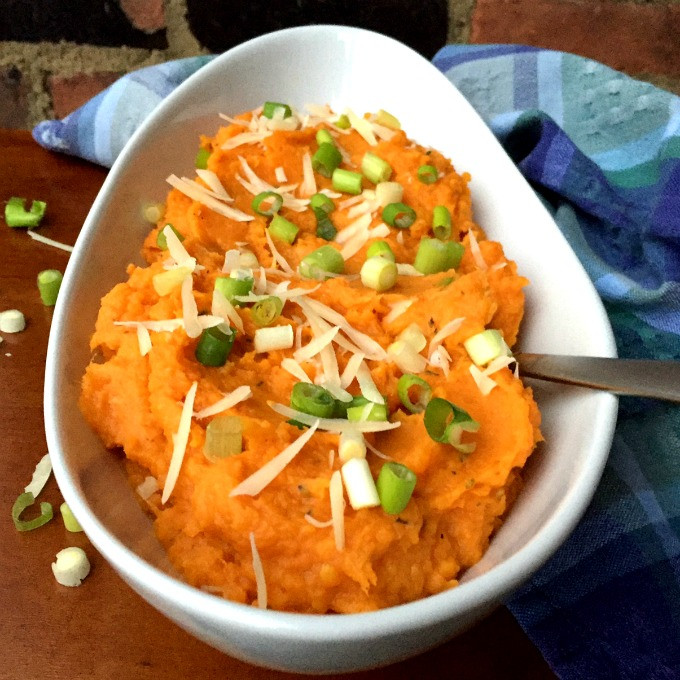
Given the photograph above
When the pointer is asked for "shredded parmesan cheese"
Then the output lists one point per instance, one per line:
(308, 186)
(203, 196)
(447, 329)
(397, 309)
(333, 424)
(225, 310)
(317, 344)
(49, 242)
(377, 452)
(144, 340)
(362, 126)
(228, 401)
(351, 369)
(260, 581)
(484, 383)
(476, 252)
(367, 386)
(278, 258)
(316, 523)
(189, 309)
(280, 175)
(294, 368)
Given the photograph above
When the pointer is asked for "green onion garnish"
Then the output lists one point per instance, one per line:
(214, 346)
(16, 214)
(387, 119)
(269, 109)
(381, 249)
(445, 281)
(312, 399)
(265, 312)
(283, 229)
(441, 222)
(485, 346)
(271, 200)
(407, 382)
(223, 438)
(230, 288)
(162, 242)
(324, 137)
(343, 122)
(326, 159)
(437, 256)
(49, 282)
(153, 212)
(399, 215)
(321, 201)
(70, 521)
(428, 174)
(320, 262)
(445, 422)
(375, 169)
(202, 159)
(347, 181)
(395, 486)
(325, 228)
(379, 273)
(24, 501)
(368, 411)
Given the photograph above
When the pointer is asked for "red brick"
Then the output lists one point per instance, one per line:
(70, 92)
(146, 15)
(14, 98)
(626, 36)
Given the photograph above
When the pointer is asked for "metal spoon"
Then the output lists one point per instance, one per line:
(631, 377)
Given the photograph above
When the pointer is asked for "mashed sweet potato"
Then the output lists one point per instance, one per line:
(134, 401)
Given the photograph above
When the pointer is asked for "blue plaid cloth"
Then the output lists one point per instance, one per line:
(603, 152)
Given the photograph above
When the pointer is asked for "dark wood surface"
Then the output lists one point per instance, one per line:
(103, 630)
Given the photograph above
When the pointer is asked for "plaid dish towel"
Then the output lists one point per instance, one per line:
(603, 151)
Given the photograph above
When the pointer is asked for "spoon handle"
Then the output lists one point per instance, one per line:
(631, 377)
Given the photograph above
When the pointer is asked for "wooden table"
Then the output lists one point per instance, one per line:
(103, 630)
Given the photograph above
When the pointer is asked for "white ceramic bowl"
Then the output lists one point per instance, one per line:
(343, 67)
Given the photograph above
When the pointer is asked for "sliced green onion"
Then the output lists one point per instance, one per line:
(428, 174)
(312, 399)
(388, 192)
(347, 181)
(441, 222)
(399, 215)
(485, 346)
(264, 312)
(437, 256)
(283, 229)
(379, 273)
(70, 521)
(325, 228)
(324, 137)
(368, 411)
(326, 159)
(223, 438)
(16, 214)
(375, 169)
(49, 282)
(321, 202)
(153, 212)
(202, 159)
(214, 346)
(320, 262)
(269, 109)
(381, 249)
(343, 122)
(407, 382)
(231, 287)
(269, 198)
(24, 501)
(162, 242)
(395, 486)
(445, 281)
(387, 119)
(445, 423)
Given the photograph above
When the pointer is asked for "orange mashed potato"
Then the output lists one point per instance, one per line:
(134, 402)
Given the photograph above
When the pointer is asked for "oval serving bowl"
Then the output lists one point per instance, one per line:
(338, 66)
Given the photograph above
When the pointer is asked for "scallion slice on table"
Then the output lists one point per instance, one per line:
(326, 159)
(223, 438)
(325, 228)
(408, 382)
(214, 346)
(343, 122)
(265, 312)
(441, 222)
(201, 161)
(435, 256)
(49, 282)
(16, 214)
(368, 411)
(380, 249)
(267, 203)
(71, 567)
(162, 242)
(387, 119)
(445, 422)
(375, 169)
(153, 212)
(324, 137)
(24, 501)
(70, 521)
(399, 215)
(322, 261)
(428, 174)
(12, 321)
(283, 229)
(269, 109)
(379, 273)
(395, 486)
(312, 399)
(231, 287)
(322, 202)
(347, 181)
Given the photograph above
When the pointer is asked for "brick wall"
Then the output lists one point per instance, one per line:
(55, 54)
